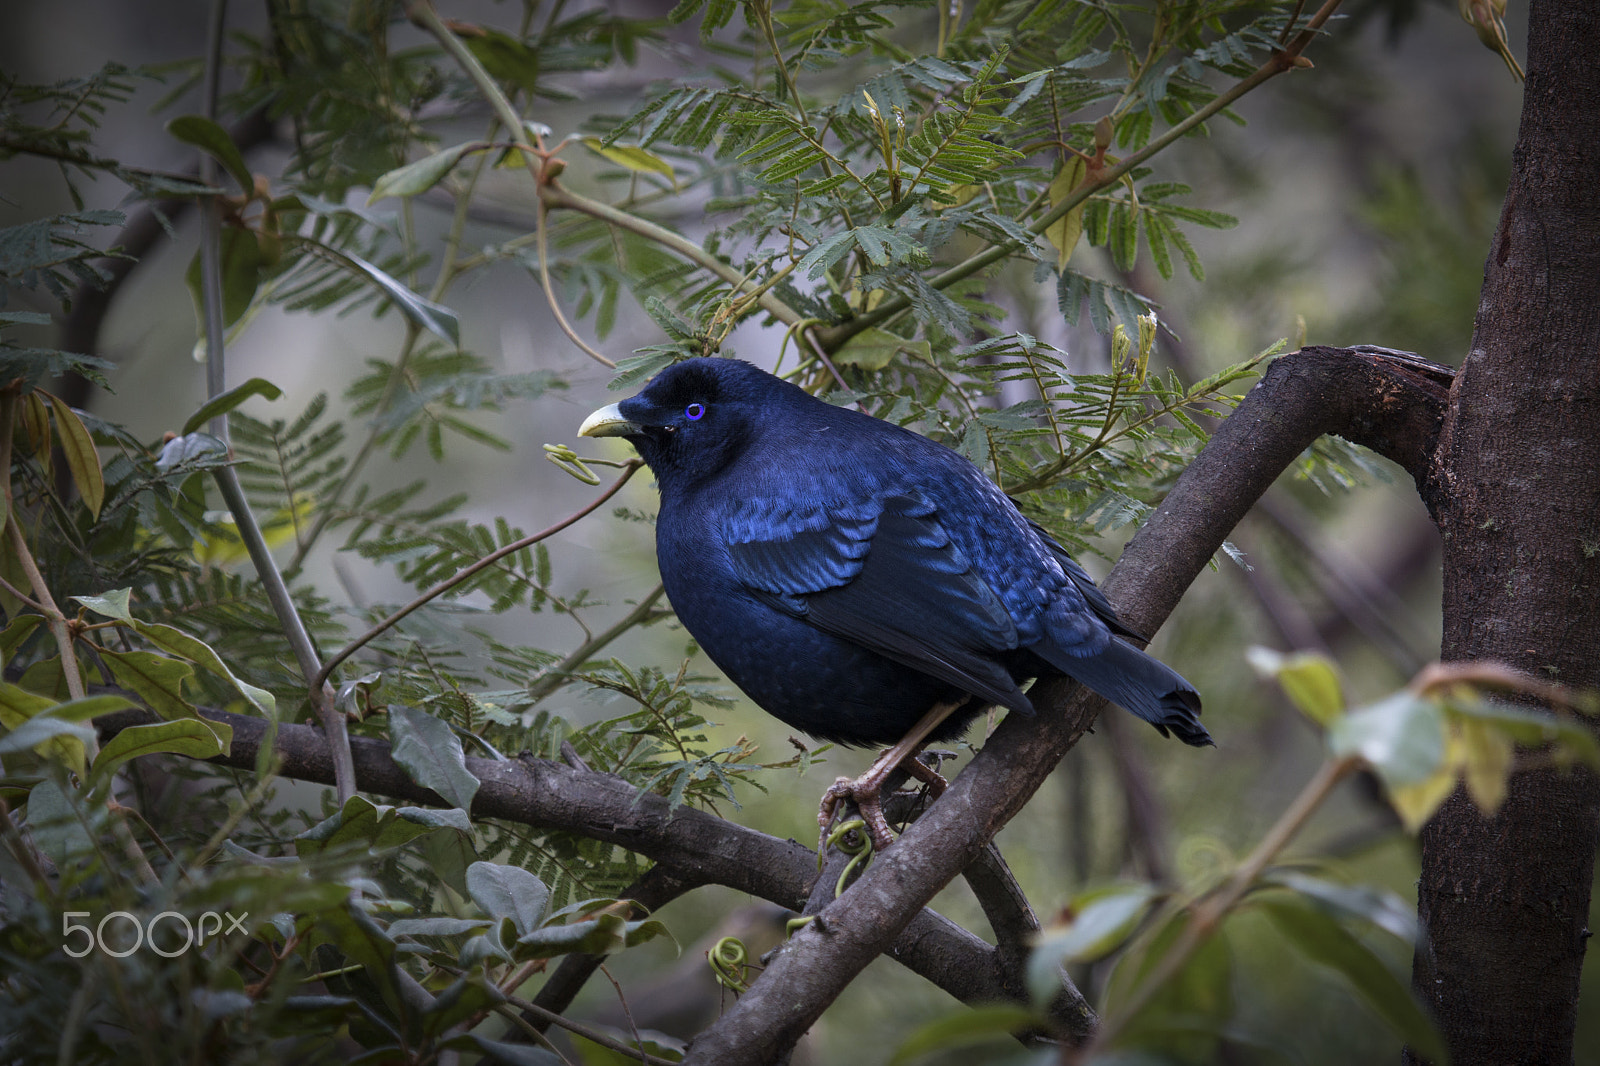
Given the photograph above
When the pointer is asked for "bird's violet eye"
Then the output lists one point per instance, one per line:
(695, 412)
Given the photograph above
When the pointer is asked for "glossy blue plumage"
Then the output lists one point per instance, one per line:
(848, 574)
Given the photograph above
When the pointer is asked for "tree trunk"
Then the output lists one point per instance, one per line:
(1516, 492)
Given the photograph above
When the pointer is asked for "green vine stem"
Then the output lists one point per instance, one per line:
(552, 677)
(321, 675)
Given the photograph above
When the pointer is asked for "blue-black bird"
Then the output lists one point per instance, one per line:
(863, 583)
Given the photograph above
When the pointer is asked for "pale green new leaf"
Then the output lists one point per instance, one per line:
(423, 174)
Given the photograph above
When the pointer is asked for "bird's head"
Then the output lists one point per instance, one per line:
(693, 418)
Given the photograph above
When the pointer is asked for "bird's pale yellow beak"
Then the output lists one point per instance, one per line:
(607, 422)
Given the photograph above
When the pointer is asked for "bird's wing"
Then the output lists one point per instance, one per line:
(887, 576)
(1085, 585)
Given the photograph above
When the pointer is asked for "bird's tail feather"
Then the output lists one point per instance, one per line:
(1144, 685)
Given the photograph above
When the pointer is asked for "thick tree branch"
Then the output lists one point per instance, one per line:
(699, 847)
(1391, 402)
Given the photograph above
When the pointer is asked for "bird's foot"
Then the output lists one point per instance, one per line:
(924, 766)
(866, 792)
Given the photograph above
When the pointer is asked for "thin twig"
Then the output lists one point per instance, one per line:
(588, 1033)
(552, 195)
(322, 675)
(23, 851)
(550, 293)
(627, 1014)
(822, 353)
(20, 595)
(557, 195)
(552, 677)
(131, 849)
(506, 1011)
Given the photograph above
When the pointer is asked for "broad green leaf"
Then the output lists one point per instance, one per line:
(1571, 737)
(436, 926)
(1101, 921)
(509, 892)
(241, 275)
(1416, 801)
(1402, 738)
(1486, 754)
(17, 704)
(19, 630)
(1381, 907)
(964, 1028)
(24, 713)
(114, 604)
(46, 678)
(423, 174)
(1065, 231)
(56, 823)
(82, 458)
(604, 934)
(435, 318)
(1325, 941)
(200, 653)
(631, 158)
(224, 402)
(874, 349)
(505, 57)
(1203, 989)
(449, 855)
(1308, 679)
(431, 753)
(167, 638)
(362, 825)
(81, 710)
(262, 889)
(486, 946)
(35, 418)
(156, 679)
(354, 932)
(211, 138)
(37, 731)
(183, 736)
(465, 997)
(434, 818)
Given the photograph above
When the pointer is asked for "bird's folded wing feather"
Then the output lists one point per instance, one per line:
(886, 575)
(1085, 585)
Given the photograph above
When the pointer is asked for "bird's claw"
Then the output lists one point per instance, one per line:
(865, 794)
